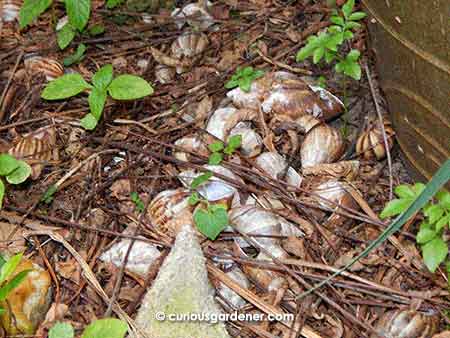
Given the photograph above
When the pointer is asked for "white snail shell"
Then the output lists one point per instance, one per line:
(200, 17)
(252, 142)
(189, 45)
(336, 192)
(164, 74)
(232, 297)
(224, 119)
(9, 10)
(190, 143)
(274, 165)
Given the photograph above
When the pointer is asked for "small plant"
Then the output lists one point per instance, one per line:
(436, 220)
(326, 45)
(243, 77)
(101, 328)
(75, 57)
(78, 12)
(7, 268)
(218, 149)
(140, 206)
(14, 171)
(123, 87)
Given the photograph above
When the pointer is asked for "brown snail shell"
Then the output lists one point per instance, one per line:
(274, 165)
(232, 297)
(36, 149)
(52, 69)
(252, 142)
(191, 143)
(193, 14)
(406, 324)
(164, 74)
(332, 194)
(9, 10)
(370, 144)
(224, 119)
(170, 210)
(322, 144)
(344, 169)
(189, 45)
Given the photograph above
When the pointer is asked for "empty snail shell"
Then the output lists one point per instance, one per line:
(195, 15)
(215, 189)
(332, 194)
(37, 149)
(225, 119)
(191, 143)
(406, 324)
(252, 142)
(274, 165)
(40, 65)
(322, 144)
(344, 169)
(189, 45)
(232, 297)
(164, 74)
(370, 143)
(170, 210)
(9, 10)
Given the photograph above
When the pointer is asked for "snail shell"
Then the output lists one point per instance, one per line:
(191, 143)
(189, 45)
(370, 143)
(9, 10)
(170, 210)
(332, 194)
(215, 189)
(224, 119)
(200, 17)
(232, 297)
(164, 74)
(274, 165)
(406, 324)
(322, 144)
(36, 149)
(344, 169)
(252, 142)
(40, 65)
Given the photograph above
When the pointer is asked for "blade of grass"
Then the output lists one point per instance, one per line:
(441, 177)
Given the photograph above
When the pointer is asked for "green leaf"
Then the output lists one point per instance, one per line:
(216, 146)
(231, 84)
(245, 84)
(418, 188)
(106, 328)
(305, 52)
(348, 35)
(425, 235)
(347, 9)
(357, 16)
(31, 9)
(404, 191)
(2, 193)
(113, 3)
(6, 289)
(61, 330)
(65, 36)
(103, 77)
(129, 87)
(329, 56)
(199, 180)
(257, 74)
(140, 206)
(78, 12)
(441, 177)
(318, 54)
(395, 207)
(211, 222)
(444, 221)
(65, 86)
(234, 142)
(7, 164)
(20, 174)
(194, 198)
(443, 197)
(75, 57)
(97, 99)
(333, 41)
(434, 213)
(89, 122)
(337, 20)
(353, 55)
(48, 195)
(9, 267)
(96, 30)
(434, 253)
(352, 25)
(353, 69)
(215, 158)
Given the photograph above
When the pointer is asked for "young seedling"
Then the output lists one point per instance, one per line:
(123, 87)
(7, 284)
(327, 44)
(218, 149)
(14, 171)
(75, 57)
(243, 78)
(78, 12)
(101, 328)
(436, 220)
(140, 206)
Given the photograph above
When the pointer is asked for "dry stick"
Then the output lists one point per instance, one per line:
(9, 82)
(380, 121)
